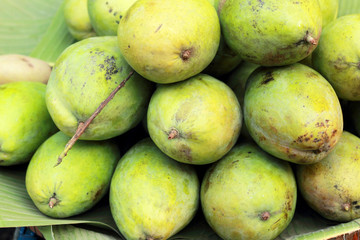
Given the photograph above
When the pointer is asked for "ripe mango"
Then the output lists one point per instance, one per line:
(151, 195)
(293, 113)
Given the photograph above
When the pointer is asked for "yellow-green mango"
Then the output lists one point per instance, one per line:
(78, 183)
(196, 121)
(337, 57)
(151, 195)
(224, 61)
(77, 19)
(248, 194)
(329, 10)
(18, 68)
(237, 82)
(169, 41)
(271, 32)
(293, 113)
(105, 15)
(330, 187)
(83, 77)
(25, 122)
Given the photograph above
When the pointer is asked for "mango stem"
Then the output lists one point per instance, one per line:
(84, 125)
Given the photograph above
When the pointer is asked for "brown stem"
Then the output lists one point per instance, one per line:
(311, 40)
(52, 202)
(346, 207)
(173, 134)
(265, 216)
(84, 125)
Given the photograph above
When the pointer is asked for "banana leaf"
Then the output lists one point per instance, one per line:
(37, 28)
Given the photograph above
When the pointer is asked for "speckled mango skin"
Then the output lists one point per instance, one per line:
(293, 113)
(105, 15)
(270, 32)
(204, 111)
(25, 121)
(77, 19)
(78, 183)
(338, 56)
(331, 185)
(238, 189)
(151, 195)
(154, 34)
(329, 10)
(83, 76)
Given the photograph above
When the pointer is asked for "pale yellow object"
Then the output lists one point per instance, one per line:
(16, 68)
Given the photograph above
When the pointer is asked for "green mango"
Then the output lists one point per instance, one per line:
(25, 121)
(238, 78)
(105, 15)
(84, 76)
(248, 194)
(166, 43)
(151, 195)
(237, 82)
(330, 187)
(224, 61)
(75, 185)
(196, 121)
(293, 113)
(271, 32)
(337, 57)
(329, 10)
(77, 19)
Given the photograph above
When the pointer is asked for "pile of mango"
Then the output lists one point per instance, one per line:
(240, 105)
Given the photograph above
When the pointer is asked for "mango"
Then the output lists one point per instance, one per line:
(151, 195)
(337, 57)
(25, 122)
(271, 32)
(330, 187)
(293, 113)
(83, 77)
(166, 43)
(105, 15)
(248, 194)
(77, 19)
(196, 121)
(75, 185)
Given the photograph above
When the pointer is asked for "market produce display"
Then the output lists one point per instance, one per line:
(188, 119)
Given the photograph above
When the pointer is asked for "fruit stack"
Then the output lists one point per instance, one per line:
(244, 107)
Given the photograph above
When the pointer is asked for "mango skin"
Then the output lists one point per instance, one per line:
(151, 195)
(270, 32)
(205, 113)
(254, 183)
(166, 48)
(77, 19)
(83, 76)
(329, 10)
(19, 68)
(25, 121)
(78, 183)
(337, 57)
(331, 185)
(293, 113)
(105, 15)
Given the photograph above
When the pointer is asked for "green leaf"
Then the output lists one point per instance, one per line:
(71, 232)
(347, 7)
(17, 208)
(35, 28)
